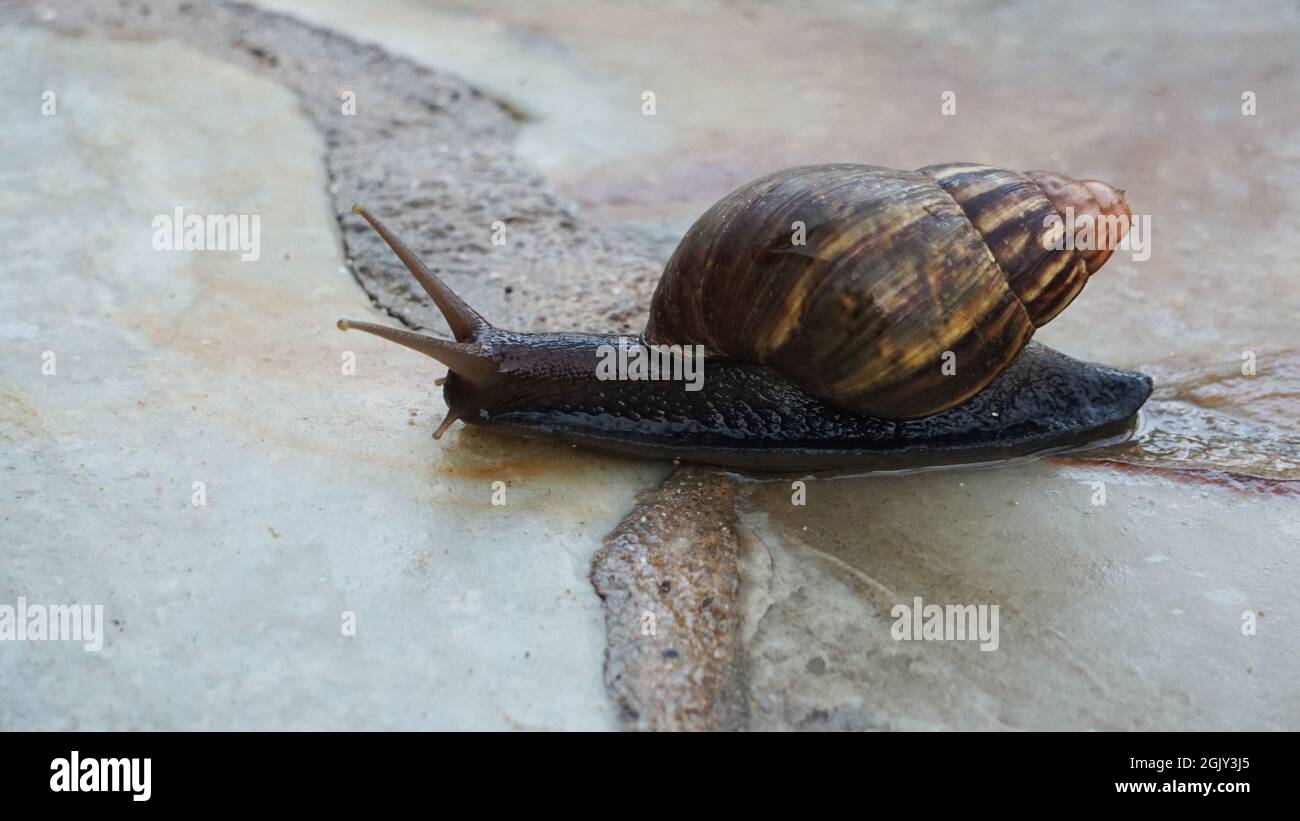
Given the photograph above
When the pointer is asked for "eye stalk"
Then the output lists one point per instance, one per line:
(464, 321)
(465, 359)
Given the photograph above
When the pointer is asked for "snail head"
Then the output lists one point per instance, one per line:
(466, 357)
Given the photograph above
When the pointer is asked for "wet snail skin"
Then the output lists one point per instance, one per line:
(853, 317)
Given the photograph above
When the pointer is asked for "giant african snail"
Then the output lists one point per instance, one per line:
(829, 299)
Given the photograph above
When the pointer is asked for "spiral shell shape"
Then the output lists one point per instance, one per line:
(896, 269)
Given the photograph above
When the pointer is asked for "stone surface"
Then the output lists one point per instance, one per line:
(321, 497)
(1122, 616)
(668, 577)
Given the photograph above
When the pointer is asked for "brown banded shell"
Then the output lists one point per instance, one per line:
(896, 268)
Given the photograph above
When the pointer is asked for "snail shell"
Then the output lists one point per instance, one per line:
(896, 269)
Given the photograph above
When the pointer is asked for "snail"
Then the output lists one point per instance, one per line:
(894, 333)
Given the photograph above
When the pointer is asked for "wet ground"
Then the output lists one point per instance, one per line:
(325, 500)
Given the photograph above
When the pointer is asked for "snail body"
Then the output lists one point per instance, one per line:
(853, 316)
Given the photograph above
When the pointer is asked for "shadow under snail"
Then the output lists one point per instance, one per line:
(828, 352)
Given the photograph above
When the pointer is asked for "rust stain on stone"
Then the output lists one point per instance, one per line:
(669, 580)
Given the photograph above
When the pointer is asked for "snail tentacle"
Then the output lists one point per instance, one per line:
(466, 359)
(464, 321)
